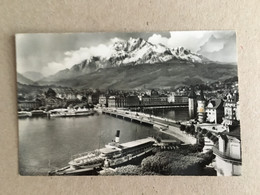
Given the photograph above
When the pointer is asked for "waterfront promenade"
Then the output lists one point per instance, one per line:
(164, 125)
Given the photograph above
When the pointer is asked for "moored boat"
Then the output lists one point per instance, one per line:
(63, 112)
(24, 114)
(38, 113)
(113, 155)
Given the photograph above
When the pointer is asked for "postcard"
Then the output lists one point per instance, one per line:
(141, 103)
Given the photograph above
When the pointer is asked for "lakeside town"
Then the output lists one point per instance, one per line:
(213, 110)
(170, 100)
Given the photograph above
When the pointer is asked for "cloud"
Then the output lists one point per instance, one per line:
(49, 53)
(191, 40)
(220, 48)
(52, 68)
(156, 39)
(77, 56)
(215, 45)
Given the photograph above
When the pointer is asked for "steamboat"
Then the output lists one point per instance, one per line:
(63, 112)
(114, 154)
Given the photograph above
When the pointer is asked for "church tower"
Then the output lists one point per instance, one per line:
(201, 101)
(192, 103)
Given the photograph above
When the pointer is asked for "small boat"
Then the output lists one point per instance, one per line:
(38, 113)
(24, 114)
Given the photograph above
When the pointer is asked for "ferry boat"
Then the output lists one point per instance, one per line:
(114, 154)
(63, 112)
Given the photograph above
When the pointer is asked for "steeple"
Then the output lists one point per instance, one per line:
(201, 101)
(201, 96)
(192, 103)
(192, 94)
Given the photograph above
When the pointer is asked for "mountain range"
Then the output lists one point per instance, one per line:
(32, 75)
(136, 62)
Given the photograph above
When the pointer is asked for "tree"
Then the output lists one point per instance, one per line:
(204, 131)
(192, 129)
(209, 134)
(200, 140)
(187, 129)
(182, 127)
(199, 129)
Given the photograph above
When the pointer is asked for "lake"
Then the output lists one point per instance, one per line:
(46, 144)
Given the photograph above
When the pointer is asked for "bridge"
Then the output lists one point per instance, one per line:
(166, 126)
(154, 106)
(127, 116)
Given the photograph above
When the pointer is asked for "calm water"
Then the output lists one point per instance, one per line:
(45, 144)
(175, 114)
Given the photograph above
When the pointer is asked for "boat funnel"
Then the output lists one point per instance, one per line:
(117, 136)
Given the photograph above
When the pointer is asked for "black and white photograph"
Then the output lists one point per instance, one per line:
(121, 103)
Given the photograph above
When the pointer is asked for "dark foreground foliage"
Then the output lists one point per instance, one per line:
(178, 162)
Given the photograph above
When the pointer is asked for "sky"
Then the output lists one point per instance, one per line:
(49, 53)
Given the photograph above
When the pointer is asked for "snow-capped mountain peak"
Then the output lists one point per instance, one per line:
(136, 51)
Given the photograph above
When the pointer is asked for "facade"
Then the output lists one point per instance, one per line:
(120, 101)
(28, 105)
(112, 101)
(173, 98)
(95, 98)
(192, 104)
(201, 102)
(154, 99)
(215, 111)
(132, 101)
(102, 100)
(228, 154)
(231, 111)
(90, 99)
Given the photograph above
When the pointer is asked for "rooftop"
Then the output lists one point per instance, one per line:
(192, 93)
(201, 96)
(137, 142)
(216, 103)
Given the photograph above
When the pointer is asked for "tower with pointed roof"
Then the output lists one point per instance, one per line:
(201, 101)
(192, 103)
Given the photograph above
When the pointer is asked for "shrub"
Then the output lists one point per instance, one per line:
(209, 134)
(181, 162)
(128, 170)
(182, 127)
(204, 131)
(187, 129)
(192, 129)
(199, 129)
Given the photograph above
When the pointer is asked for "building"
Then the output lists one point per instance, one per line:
(132, 100)
(174, 98)
(228, 153)
(231, 110)
(79, 96)
(201, 102)
(120, 101)
(28, 105)
(102, 101)
(154, 99)
(112, 101)
(95, 98)
(192, 103)
(215, 111)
